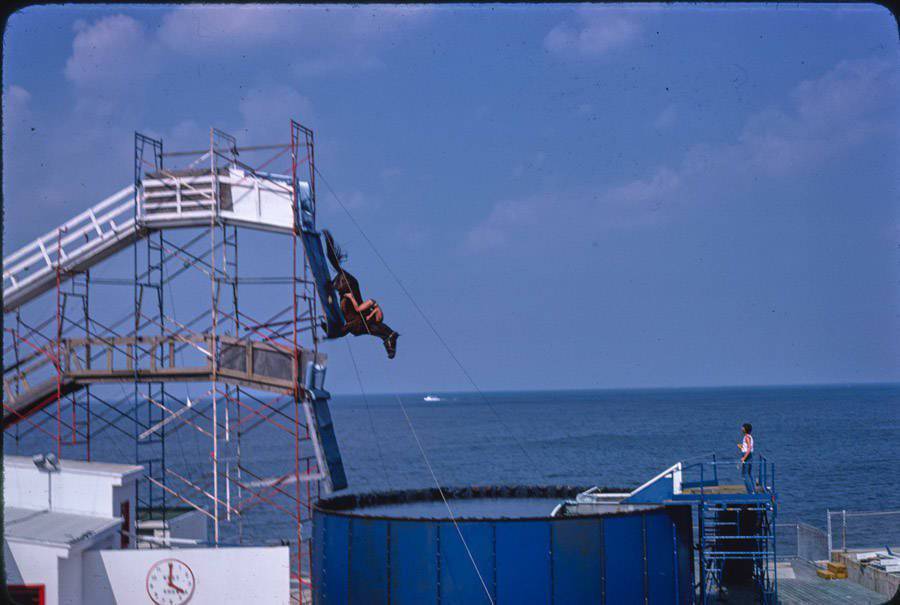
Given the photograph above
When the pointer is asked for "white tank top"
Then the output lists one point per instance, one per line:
(747, 444)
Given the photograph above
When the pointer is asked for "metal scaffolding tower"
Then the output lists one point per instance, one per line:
(201, 354)
(736, 530)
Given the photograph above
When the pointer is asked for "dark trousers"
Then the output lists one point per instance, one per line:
(361, 327)
(747, 473)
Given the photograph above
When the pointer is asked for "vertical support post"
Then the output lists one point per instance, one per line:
(214, 348)
(774, 538)
(828, 529)
(59, 368)
(149, 447)
(87, 361)
(304, 217)
(844, 530)
(675, 564)
(700, 540)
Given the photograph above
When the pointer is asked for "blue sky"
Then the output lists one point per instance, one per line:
(578, 197)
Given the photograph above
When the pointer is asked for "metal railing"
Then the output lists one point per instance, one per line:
(847, 529)
(706, 473)
(168, 199)
(70, 241)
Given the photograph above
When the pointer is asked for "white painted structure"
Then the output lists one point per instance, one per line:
(254, 575)
(97, 489)
(52, 518)
(64, 530)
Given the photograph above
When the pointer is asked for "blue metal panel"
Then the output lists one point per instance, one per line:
(368, 562)
(414, 562)
(661, 553)
(642, 556)
(318, 544)
(576, 561)
(459, 581)
(331, 452)
(523, 562)
(332, 584)
(623, 543)
(682, 517)
(331, 304)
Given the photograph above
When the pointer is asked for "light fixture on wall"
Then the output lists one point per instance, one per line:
(47, 463)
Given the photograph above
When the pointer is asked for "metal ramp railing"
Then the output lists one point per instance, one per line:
(88, 238)
(166, 199)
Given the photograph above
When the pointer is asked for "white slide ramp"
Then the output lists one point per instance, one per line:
(168, 199)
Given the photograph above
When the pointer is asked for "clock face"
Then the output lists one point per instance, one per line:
(170, 582)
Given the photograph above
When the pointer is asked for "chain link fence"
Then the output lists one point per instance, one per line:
(845, 530)
(801, 540)
(862, 529)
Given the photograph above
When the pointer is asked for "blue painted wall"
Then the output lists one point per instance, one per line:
(641, 557)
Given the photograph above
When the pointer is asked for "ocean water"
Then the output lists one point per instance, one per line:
(834, 447)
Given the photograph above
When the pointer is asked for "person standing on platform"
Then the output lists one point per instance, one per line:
(746, 448)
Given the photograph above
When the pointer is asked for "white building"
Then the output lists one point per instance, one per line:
(69, 536)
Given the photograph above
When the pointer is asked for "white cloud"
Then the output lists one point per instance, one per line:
(318, 39)
(825, 115)
(648, 192)
(114, 51)
(822, 118)
(505, 217)
(16, 105)
(595, 33)
(665, 118)
(221, 30)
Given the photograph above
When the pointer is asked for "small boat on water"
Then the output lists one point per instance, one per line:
(431, 398)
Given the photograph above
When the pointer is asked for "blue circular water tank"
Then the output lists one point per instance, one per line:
(403, 547)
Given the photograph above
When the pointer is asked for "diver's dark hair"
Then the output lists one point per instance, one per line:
(747, 427)
(335, 255)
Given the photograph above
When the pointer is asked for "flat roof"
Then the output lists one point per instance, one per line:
(80, 466)
(51, 527)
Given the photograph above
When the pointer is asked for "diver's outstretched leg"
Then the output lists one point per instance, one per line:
(387, 336)
(380, 330)
(390, 344)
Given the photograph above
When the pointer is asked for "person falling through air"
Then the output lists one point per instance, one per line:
(360, 316)
(746, 447)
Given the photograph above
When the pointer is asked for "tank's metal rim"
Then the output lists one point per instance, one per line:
(349, 505)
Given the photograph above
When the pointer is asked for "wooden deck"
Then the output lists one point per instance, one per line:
(717, 489)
